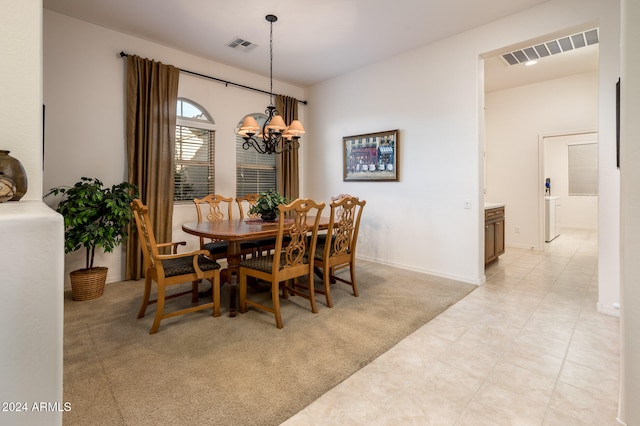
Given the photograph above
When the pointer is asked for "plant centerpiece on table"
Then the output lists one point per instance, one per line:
(267, 205)
(94, 216)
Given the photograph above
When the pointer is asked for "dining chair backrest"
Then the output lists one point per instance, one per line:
(145, 233)
(212, 207)
(339, 197)
(248, 200)
(296, 238)
(344, 224)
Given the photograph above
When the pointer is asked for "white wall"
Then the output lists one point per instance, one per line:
(84, 93)
(515, 120)
(416, 223)
(31, 254)
(433, 95)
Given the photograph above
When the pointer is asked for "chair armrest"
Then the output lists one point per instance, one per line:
(175, 245)
(193, 254)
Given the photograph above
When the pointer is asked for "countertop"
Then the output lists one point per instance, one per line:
(488, 206)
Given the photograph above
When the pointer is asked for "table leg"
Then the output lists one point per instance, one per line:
(233, 262)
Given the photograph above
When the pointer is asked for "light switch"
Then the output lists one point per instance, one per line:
(467, 204)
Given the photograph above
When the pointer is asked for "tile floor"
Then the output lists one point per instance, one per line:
(526, 348)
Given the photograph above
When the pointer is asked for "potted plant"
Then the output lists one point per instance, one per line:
(94, 216)
(267, 205)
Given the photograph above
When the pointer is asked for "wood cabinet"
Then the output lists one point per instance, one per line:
(493, 234)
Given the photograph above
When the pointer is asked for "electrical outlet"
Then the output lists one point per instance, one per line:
(467, 204)
(517, 229)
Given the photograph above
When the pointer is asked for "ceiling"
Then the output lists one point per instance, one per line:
(314, 40)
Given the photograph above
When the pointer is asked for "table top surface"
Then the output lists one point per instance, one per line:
(240, 229)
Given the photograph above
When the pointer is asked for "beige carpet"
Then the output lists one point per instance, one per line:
(234, 371)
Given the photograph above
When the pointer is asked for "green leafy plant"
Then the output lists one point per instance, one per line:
(267, 205)
(94, 215)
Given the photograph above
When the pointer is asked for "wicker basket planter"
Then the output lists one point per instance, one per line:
(87, 284)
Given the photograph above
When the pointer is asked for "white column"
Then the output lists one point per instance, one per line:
(31, 313)
(629, 412)
(31, 236)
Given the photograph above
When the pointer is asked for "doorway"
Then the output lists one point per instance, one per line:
(569, 169)
(520, 104)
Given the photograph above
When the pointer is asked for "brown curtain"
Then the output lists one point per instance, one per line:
(287, 162)
(152, 94)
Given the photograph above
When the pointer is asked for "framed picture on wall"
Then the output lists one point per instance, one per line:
(371, 156)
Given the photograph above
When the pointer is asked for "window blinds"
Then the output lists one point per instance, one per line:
(583, 169)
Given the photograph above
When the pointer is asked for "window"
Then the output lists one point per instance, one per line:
(583, 169)
(194, 152)
(255, 172)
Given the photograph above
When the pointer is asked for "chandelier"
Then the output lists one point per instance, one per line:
(275, 137)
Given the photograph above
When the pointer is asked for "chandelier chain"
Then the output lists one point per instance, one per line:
(271, 62)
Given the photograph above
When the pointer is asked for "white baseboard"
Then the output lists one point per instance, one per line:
(608, 309)
(468, 280)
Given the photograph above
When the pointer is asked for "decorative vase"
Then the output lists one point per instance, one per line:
(12, 172)
(7, 188)
(269, 216)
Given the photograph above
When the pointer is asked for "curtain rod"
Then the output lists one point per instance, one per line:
(219, 80)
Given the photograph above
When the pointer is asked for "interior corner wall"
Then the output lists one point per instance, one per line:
(432, 95)
(84, 94)
(515, 119)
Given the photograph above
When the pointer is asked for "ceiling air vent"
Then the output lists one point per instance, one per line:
(241, 44)
(552, 47)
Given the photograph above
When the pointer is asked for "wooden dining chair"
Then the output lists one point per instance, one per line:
(215, 207)
(244, 205)
(288, 262)
(338, 249)
(212, 207)
(172, 269)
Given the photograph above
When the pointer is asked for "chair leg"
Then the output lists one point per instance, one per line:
(145, 297)
(312, 295)
(194, 291)
(159, 310)
(286, 290)
(327, 285)
(352, 270)
(215, 285)
(275, 298)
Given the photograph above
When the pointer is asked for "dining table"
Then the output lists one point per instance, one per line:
(235, 232)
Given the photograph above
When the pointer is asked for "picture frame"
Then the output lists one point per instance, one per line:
(370, 157)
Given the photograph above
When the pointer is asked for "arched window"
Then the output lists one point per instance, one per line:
(194, 152)
(255, 172)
